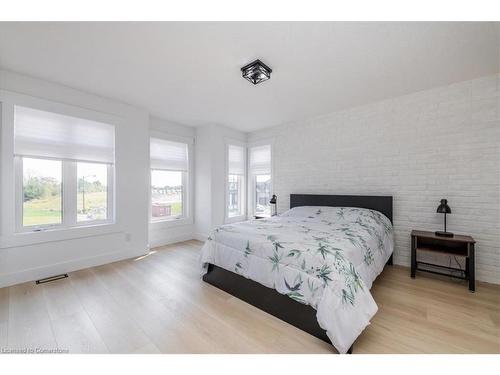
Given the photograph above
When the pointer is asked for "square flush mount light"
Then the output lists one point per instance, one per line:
(256, 72)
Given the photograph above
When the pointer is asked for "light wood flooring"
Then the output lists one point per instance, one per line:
(159, 304)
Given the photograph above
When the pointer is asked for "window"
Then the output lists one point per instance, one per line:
(42, 192)
(260, 179)
(235, 182)
(235, 197)
(92, 191)
(262, 195)
(65, 170)
(169, 172)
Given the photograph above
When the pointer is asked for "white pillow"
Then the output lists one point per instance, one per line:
(311, 211)
(349, 214)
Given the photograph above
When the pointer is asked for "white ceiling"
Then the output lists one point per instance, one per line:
(190, 72)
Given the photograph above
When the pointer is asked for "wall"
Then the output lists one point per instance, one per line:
(203, 186)
(419, 148)
(165, 233)
(210, 189)
(21, 261)
(440, 143)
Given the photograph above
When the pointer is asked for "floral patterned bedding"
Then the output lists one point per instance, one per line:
(326, 257)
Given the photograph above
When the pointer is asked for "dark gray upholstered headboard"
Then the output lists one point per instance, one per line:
(382, 204)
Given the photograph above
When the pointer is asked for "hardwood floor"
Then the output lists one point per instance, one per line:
(159, 304)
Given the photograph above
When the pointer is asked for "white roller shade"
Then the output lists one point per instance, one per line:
(168, 155)
(260, 160)
(52, 135)
(236, 159)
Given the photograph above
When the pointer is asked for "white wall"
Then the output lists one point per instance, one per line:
(440, 143)
(164, 233)
(21, 261)
(419, 148)
(210, 193)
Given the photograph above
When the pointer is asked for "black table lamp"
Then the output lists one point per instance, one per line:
(443, 208)
(273, 202)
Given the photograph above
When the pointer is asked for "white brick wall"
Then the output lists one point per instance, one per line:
(439, 143)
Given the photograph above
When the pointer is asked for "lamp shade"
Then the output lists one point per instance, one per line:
(443, 208)
(273, 199)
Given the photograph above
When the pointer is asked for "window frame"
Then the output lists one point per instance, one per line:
(12, 231)
(187, 182)
(252, 181)
(183, 197)
(240, 191)
(110, 196)
(243, 216)
(69, 197)
(19, 199)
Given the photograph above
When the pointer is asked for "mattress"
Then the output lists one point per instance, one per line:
(325, 257)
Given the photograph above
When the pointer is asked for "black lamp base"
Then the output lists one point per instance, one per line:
(443, 234)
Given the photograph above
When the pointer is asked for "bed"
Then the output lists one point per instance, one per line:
(312, 266)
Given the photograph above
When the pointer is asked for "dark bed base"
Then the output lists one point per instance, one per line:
(267, 299)
(281, 306)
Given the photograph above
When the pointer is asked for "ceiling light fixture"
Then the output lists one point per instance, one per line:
(256, 72)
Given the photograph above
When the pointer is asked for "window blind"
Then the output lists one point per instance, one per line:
(260, 159)
(52, 135)
(168, 155)
(236, 160)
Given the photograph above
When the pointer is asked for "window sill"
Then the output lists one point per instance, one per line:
(57, 234)
(170, 223)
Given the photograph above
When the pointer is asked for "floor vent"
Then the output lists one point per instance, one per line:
(52, 278)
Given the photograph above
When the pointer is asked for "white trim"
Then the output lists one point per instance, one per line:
(200, 237)
(171, 137)
(57, 107)
(18, 194)
(57, 234)
(263, 142)
(171, 240)
(69, 209)
(173, 222)
(7, 169)
(111, 198)
(68, 266)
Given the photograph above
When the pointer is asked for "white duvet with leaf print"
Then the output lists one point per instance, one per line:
(325, 257)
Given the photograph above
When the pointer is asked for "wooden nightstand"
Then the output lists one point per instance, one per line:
(458, 245)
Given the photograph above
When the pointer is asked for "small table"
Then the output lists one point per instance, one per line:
(458, 245)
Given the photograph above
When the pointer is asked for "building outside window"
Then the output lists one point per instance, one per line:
(235, 197)
(260, 179)
(169, 174)
(262, 195)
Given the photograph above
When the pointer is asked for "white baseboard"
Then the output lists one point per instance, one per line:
(170, 240)
(200, 237)
(65, 267)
